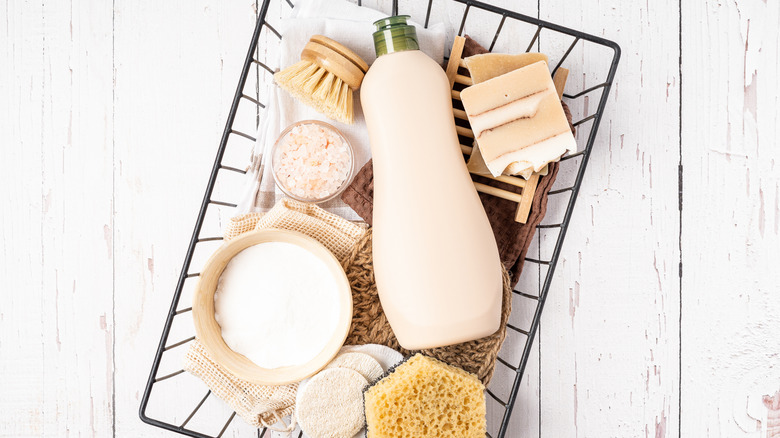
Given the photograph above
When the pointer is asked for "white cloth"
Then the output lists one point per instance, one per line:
(318, 17)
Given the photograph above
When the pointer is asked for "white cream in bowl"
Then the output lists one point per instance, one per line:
(277, 304)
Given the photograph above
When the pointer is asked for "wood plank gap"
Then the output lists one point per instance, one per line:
(113, 216)
(680, 223)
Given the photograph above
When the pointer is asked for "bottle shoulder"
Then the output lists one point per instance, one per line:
(413, 61)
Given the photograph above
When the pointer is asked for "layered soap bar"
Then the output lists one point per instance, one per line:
(518, 120)
(486, 66)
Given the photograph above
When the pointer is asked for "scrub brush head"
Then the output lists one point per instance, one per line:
(325, 78)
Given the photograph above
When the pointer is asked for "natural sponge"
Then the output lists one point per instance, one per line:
(426, 398)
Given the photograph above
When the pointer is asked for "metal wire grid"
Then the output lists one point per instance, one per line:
(545, 279)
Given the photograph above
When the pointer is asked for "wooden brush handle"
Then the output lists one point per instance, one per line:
(337, 59)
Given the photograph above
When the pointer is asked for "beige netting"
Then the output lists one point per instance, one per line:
(259, 405)
(241, 224)
(336, 233)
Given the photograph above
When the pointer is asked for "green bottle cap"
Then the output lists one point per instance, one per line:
(393, 34)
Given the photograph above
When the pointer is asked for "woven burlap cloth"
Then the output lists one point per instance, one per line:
(262, 406)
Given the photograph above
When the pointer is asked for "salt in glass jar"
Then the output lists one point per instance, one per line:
(312, 161)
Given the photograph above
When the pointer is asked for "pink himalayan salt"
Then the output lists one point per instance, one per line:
(312, 162)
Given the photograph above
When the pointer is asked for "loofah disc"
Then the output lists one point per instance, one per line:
(331, 404)
(364, 364)
(386, 356)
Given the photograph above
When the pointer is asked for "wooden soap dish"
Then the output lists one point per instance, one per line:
(528, 187)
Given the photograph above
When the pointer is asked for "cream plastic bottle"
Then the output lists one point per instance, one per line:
(436, 262)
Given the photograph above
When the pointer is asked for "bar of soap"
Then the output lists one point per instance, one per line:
(486, 66)
(489, 65)
(477, 166)
(518, 120)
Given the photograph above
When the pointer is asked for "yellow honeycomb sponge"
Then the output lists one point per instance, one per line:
(426, 398)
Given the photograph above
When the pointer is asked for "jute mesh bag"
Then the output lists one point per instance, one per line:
(260, 405)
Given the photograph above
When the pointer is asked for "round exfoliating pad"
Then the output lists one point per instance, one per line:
(364, 364)
(386, 356)
(331, 404)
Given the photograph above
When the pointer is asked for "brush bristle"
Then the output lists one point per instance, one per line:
(318, 88)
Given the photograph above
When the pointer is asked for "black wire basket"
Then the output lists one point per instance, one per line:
(178, 402)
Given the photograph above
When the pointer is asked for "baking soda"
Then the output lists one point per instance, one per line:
(277, 304)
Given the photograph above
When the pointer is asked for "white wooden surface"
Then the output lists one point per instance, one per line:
(109, 117)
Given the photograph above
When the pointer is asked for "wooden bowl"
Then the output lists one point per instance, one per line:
(210, 334)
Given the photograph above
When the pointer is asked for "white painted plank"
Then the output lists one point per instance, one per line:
(77, 281)
(21, 347)
(177, 65)
(609, 350)
(731, 214)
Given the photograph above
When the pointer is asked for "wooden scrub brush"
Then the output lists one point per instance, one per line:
(325, 78)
